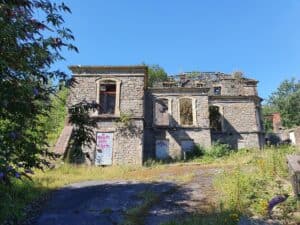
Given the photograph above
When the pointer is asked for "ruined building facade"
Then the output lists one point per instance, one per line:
(136, 122)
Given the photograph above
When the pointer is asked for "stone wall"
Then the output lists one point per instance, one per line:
(297, 136)
(127, 141)
(135, 142)
(176, 137)
(241, 122)
(130, 93)
(239, 140)
(175, 133)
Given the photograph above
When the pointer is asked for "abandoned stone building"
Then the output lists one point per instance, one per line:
(137, 122)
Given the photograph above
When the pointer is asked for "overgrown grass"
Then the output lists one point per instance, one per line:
(15, 198)
(253, 181)
(55, 122)
(215, 218)
(136, 215)
(249, 180)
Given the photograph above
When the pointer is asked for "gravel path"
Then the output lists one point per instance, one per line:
(104, 203)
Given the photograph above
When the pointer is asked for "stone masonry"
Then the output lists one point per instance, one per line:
(127, 143)
(170, 118)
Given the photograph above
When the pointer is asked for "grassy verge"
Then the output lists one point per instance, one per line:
(250, 184)
(215, 218)
(250, 179)
(15, 199)
(136, 215)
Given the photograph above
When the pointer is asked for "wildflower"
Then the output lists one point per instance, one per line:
(1, 175)
(9, 168)
(35, 91)
(28, 171)
(17, 175)
(13, 135)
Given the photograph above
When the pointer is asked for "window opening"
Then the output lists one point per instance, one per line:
(161, 112)
(217, 90)
(107, 97)
(215, 118)
(186, 111)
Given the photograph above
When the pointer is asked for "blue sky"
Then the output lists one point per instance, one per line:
(259, 37)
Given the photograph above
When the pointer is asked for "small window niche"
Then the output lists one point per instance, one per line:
(200, 84)
(217, 90)
(186, 111)
(215, 118)
(162, 112)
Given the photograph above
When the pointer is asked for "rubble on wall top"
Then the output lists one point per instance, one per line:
(193, 79)
(212, 76)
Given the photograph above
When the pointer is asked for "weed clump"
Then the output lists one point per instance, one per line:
(218, 150)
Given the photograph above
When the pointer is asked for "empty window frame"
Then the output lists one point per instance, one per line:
(215, 118)
(107, 98)
(217, 90)
(186, 111)
(199, 85)
(161, 116)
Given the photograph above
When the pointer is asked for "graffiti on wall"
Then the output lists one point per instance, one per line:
(104, 148)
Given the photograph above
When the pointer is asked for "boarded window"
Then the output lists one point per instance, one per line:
(187, 145)
(217, 90)
(161, 112)
(107, 97)
(215, 118)
(186, 111)
(162, 149)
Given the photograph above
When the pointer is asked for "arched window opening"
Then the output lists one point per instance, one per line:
(162, 112)
(107, 97)
(186, 111)
(215, 118)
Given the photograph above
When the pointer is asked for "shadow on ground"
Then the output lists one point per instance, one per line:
(105, 203)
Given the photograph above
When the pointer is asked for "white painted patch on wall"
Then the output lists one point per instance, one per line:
(293, 138)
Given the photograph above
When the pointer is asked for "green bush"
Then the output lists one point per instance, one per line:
(218, 150)
(249, 186)
(197, 151)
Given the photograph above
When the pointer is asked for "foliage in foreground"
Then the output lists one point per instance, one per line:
(55, 121)
(255, 177)
(216, 218)
(32, 35)
(249, 186)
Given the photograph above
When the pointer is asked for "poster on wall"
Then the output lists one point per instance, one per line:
(104, 145)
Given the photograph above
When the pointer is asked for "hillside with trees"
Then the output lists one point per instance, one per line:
(286, 101)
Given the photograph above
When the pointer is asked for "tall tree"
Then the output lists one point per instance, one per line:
(156, 74)
(29, 45)
(286, 100)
